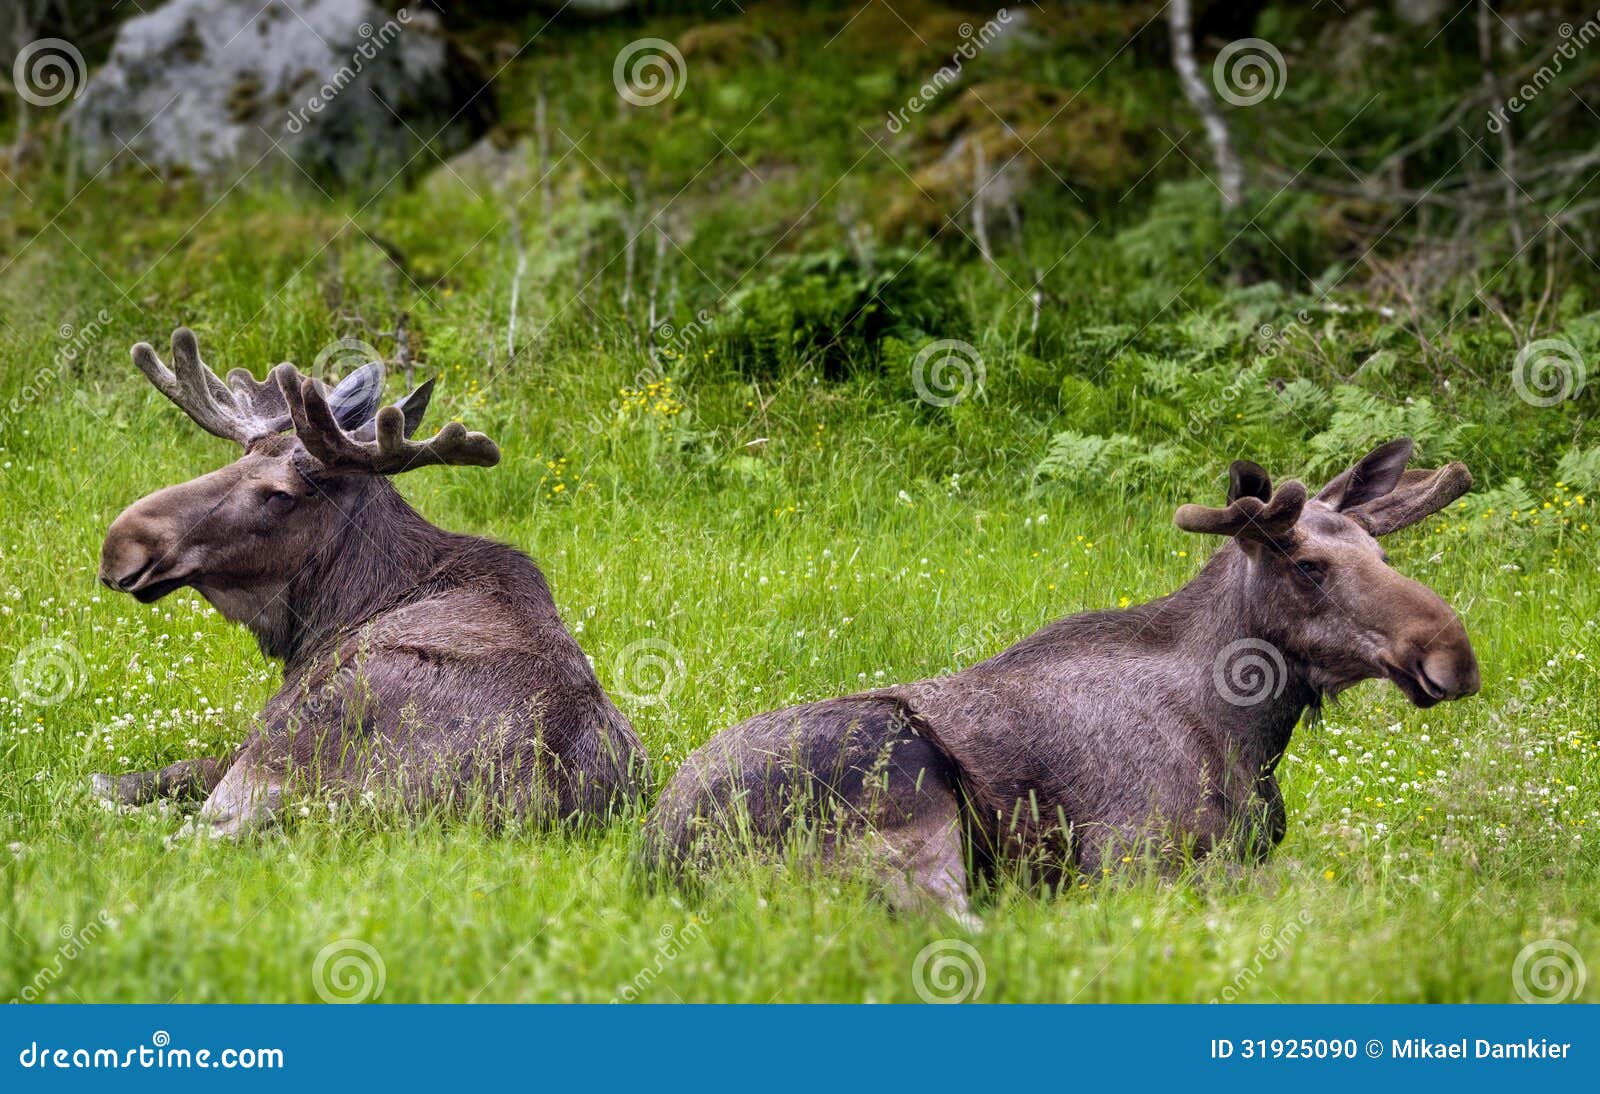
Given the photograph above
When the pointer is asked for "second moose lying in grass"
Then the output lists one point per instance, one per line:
(1153, 729)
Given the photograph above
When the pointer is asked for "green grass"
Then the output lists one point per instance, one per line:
(1425, 848)
(788, 533)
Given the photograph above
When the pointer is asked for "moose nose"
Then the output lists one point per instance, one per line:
(1449, 673)
(127, 580)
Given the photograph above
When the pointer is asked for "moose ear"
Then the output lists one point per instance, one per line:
(415, 405)
(1248, 480)
(356, 399)
(412, 408)
(1373, 476)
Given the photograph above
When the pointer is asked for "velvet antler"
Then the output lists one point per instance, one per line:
(241, 410)
(388, 452)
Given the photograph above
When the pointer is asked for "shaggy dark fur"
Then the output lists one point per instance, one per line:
(417, 664)
(1118, 732)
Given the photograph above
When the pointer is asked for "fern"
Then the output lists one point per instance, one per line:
(1362, 421)
(1082, 458)
(1581, 468)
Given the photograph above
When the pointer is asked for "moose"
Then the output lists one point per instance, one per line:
(1154, 730)
(421, 664)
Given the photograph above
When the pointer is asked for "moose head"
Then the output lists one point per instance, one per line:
(1319, 585)
(313, 471)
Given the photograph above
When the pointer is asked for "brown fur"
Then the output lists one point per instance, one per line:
(417, 663)
(1107, 733)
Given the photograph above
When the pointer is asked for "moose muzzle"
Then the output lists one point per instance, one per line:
(1432, 659)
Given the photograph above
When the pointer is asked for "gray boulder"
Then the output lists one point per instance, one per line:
(345, 88)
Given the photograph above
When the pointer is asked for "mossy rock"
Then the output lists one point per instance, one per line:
(726, 45)
(1017, 135)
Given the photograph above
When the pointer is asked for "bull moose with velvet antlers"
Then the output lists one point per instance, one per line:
(1151, 730)
(416, 662)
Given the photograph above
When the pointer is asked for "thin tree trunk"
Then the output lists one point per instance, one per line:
(1230, 172)
(1508, 148)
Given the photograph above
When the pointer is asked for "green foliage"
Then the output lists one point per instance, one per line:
(832, 310)
(764, 489)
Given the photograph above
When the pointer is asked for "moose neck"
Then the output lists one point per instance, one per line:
(377, 551)
(1248, 687)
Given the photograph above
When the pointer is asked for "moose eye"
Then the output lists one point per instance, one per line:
(1313, 573)
(280, 502)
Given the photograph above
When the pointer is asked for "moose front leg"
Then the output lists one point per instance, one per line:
(184, 781)
(248, 797)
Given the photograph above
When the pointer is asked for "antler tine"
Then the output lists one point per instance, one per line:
(193, 387)
(453, 445)
(390, 453)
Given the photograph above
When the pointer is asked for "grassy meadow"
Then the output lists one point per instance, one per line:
(758, 504)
